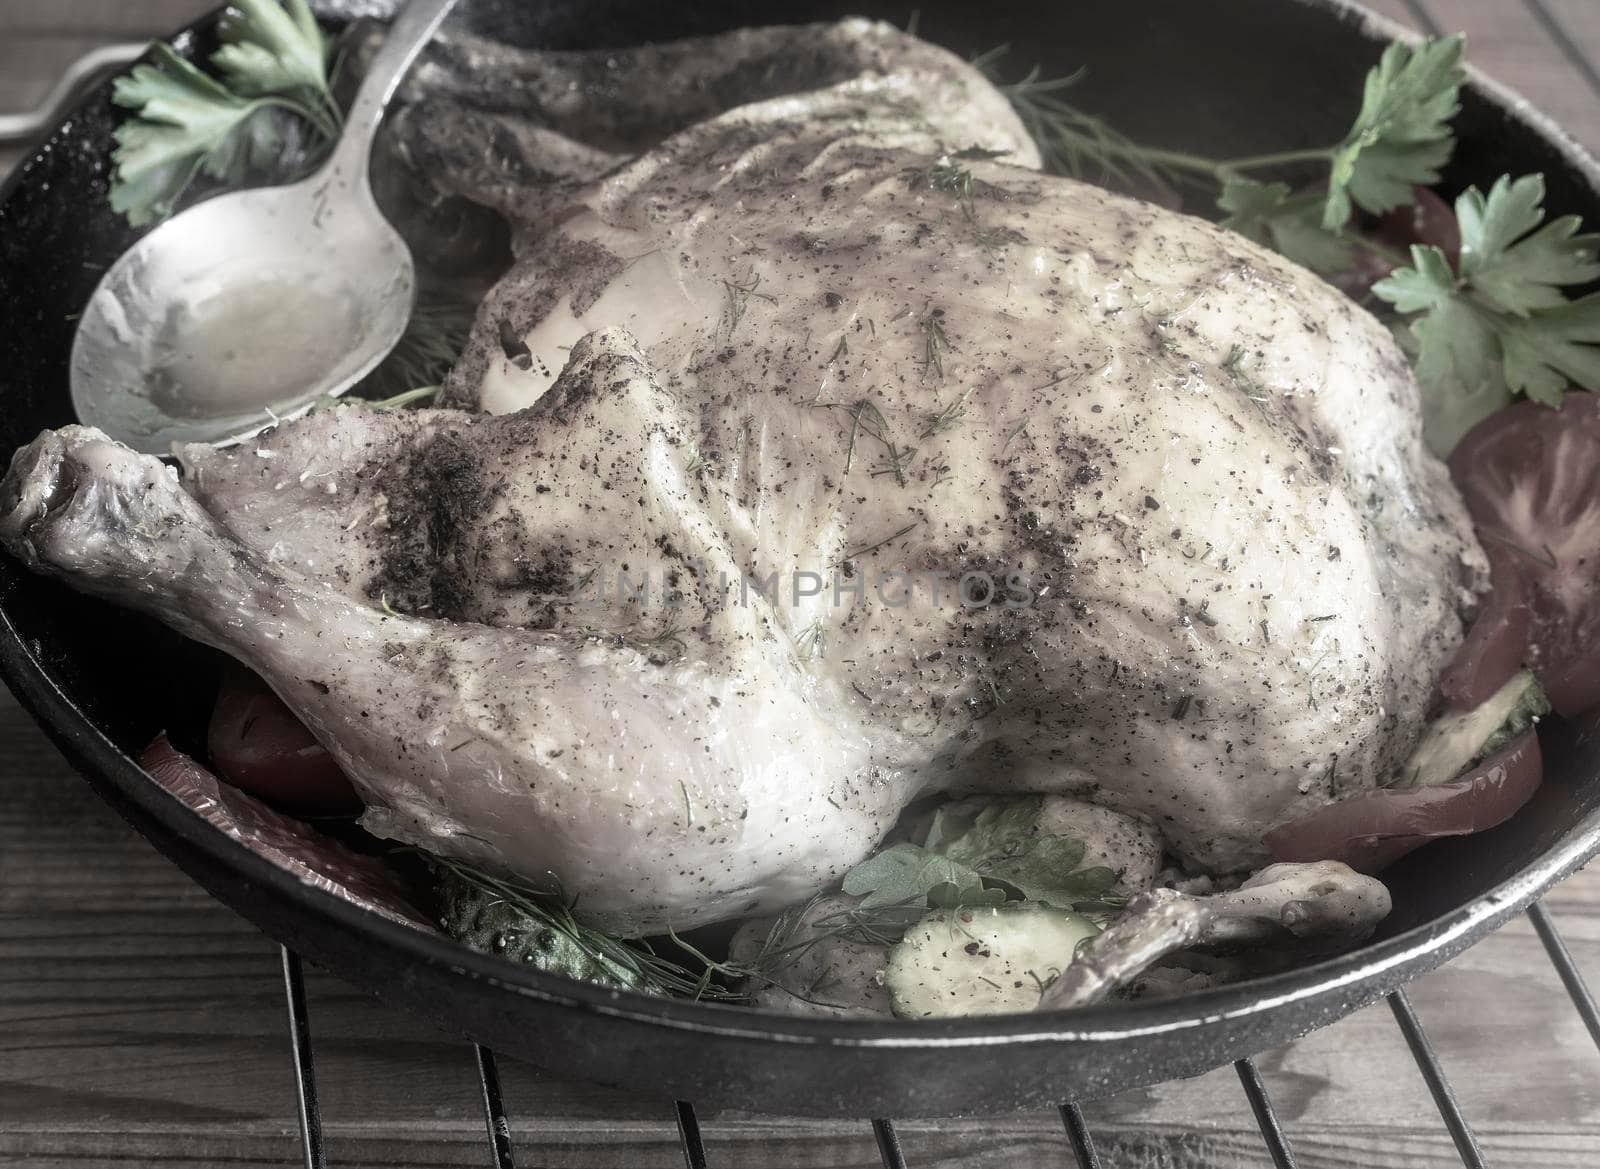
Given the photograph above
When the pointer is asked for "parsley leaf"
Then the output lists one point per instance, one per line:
(1500, 325)
(983, 859)
(188, 123)
(908, 873)
(1000, 830)
(1553, 347)
(1402, 135)
(1266, 213)
(1510, 258)
(273, 49)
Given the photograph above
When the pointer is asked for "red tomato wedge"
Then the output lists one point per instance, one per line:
(1531, 478)
(1370, 831)
(310, 855)
(257, 744)
(1429, 220)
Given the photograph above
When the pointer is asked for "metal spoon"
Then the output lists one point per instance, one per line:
(249, 307)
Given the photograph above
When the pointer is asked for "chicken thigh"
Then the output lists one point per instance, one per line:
(813, 369)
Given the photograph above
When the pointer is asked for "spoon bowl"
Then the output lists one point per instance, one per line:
(251, 307)
(240, 312)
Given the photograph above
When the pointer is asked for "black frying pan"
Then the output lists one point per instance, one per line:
(1230, 77)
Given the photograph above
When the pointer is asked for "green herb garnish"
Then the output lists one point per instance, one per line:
(431, 345)
(946, 176)
(1400, 138)
(997, 855)
(1402, 135)
(188, 123)
(1498, 324)
(1290, 225)
(948, 418)
(496, 915)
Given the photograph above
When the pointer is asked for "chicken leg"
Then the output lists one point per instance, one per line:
(1322, 901)
(654, 794)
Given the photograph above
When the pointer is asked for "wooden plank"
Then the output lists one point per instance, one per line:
(1575, 26)
(1399, 11)
(1580, 21)
(102, 19)
(1506, 40)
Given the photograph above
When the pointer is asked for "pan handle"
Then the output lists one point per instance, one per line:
(79, 75)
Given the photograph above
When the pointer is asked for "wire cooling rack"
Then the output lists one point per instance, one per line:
(500, 1154)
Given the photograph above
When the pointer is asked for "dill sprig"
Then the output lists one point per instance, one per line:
(895, 462)
(950, 417)
(1070, 141)
(881, 926)
(665, 647)
(867, 419)
(935, 342)
(1233, 366)
(429, 348)
(871, 548)
(633, 963)
(951, 179)
(738, 299)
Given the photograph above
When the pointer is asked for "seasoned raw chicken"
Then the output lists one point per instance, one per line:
(806, 341)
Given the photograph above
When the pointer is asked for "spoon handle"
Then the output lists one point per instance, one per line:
(410, 31)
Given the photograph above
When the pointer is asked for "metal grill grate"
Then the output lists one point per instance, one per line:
(694, 1152)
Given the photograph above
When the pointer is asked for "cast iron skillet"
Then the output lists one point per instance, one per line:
(1241, 77)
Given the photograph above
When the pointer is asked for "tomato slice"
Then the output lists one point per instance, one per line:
(312, 856)
(257, 744)
(1429, 220)
(1531, 478)
(1370, 831)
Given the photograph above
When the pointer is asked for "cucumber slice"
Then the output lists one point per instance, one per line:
(1455, 742)
(989, 960)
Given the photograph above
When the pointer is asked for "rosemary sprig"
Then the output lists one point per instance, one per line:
(622, 961)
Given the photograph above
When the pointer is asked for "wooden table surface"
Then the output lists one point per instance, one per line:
(141, 1023)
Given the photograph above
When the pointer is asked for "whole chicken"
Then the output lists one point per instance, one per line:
(816, 453)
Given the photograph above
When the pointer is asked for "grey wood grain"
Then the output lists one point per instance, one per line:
(1525, 45)
(142, 1024)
